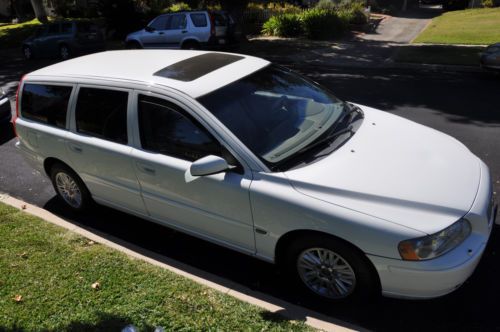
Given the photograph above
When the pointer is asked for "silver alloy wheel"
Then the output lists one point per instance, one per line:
(326, 273)
(68, 189)
(64, 52)
(27, 53)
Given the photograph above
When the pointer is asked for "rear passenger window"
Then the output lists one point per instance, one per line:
(102, 113)
(67, 28)
(199, 20)
(45, 103)
(54, 28)
(166, 129)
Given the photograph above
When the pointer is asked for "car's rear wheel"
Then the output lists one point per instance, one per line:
(28, 53)
(330, 269)
(133, 45)
(64, 52)
(190, 45)
(70, 188)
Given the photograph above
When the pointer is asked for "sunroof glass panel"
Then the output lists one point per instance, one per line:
(197, 66)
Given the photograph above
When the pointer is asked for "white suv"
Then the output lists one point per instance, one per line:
(254, 157)
(186, 30)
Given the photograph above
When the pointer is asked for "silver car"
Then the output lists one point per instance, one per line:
(186, 30)
(490, 58)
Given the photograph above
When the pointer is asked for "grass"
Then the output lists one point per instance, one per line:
(471, 26)
(12, 35)
(52, 279)
(439, 54)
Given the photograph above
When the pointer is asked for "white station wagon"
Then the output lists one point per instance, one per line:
(249, 155)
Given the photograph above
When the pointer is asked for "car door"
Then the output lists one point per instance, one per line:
(98, 150)
(154, 34)
(215, 206)
(177, 30)
(48, 44)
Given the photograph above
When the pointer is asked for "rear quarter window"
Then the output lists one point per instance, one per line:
(45, 103)
(199, 20)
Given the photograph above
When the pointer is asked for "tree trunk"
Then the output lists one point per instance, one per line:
(39, 10)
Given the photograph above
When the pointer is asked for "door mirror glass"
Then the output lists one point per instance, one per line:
(208, 165)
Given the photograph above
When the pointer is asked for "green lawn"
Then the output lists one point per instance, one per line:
(46, 283)
(12, 35)
(471, 26)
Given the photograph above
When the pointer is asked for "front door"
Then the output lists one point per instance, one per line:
(215, 206)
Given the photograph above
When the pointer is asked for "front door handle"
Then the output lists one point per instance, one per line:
(146, 169)
(184, 31)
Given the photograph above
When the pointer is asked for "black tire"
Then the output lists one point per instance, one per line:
(28, 53)
(86, 199)
(190, 45)
(64, 52)
(133, 45)
(365, 285)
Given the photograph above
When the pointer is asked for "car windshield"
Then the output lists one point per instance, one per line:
(274, 112)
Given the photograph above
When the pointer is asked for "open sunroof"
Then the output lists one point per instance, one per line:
(197, 66)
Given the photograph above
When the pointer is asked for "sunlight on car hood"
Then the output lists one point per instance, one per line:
(397, 170)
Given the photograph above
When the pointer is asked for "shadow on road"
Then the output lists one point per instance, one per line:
(471, 307)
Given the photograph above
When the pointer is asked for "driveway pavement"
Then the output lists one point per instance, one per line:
(459, 104)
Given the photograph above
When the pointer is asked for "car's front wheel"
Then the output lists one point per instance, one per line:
(70, 188)
(329, 268)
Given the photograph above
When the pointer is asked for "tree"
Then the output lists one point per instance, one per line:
(39, 10)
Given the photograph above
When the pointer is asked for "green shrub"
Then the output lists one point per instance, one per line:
(326, 4)
(488, 3)
(176, 7)
(353, 13)
(323, 24)
(285, 25)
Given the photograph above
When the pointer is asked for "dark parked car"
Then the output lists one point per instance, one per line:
(64, 39)
(490, 58)
(5, 112)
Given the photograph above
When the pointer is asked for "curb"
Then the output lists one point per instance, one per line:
(243, 293)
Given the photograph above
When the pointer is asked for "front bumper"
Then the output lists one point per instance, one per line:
(442, 275)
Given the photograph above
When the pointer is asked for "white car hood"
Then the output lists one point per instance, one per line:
(396, 170)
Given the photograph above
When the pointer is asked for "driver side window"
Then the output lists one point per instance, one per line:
(167, 129)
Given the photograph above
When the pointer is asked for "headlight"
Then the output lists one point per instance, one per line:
(435, 245)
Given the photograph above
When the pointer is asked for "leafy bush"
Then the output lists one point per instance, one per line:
(326, 4)
(176, 7)
(285, 25)
(488, 3)
(353, 13)
(323, 24)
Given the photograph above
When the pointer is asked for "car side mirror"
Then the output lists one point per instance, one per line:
(208, 165)
(149, 29)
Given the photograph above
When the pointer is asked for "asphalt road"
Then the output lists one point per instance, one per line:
(462, 105)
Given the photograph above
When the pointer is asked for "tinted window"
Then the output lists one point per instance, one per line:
(45, 103)
(168, 130)
(67, 27)
(54, 28)
(199, 20)
(220, 20)
(86, 27)
(159, 23)
(176, 22)
(102, 113)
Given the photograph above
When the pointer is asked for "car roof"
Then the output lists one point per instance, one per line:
(195, 73)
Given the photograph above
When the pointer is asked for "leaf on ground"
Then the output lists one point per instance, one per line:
(96, 285)
(24, 207)
(18, 298)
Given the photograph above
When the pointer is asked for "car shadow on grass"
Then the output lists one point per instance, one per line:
(470, 307)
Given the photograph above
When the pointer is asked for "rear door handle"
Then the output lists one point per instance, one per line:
(184, 31)
(76, 148)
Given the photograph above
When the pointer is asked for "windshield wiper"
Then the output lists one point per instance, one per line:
(327, 139)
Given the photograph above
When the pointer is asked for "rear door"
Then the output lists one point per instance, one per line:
(98, 146)
(176, 30)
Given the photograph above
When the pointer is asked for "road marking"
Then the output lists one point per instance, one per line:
(287, 310)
